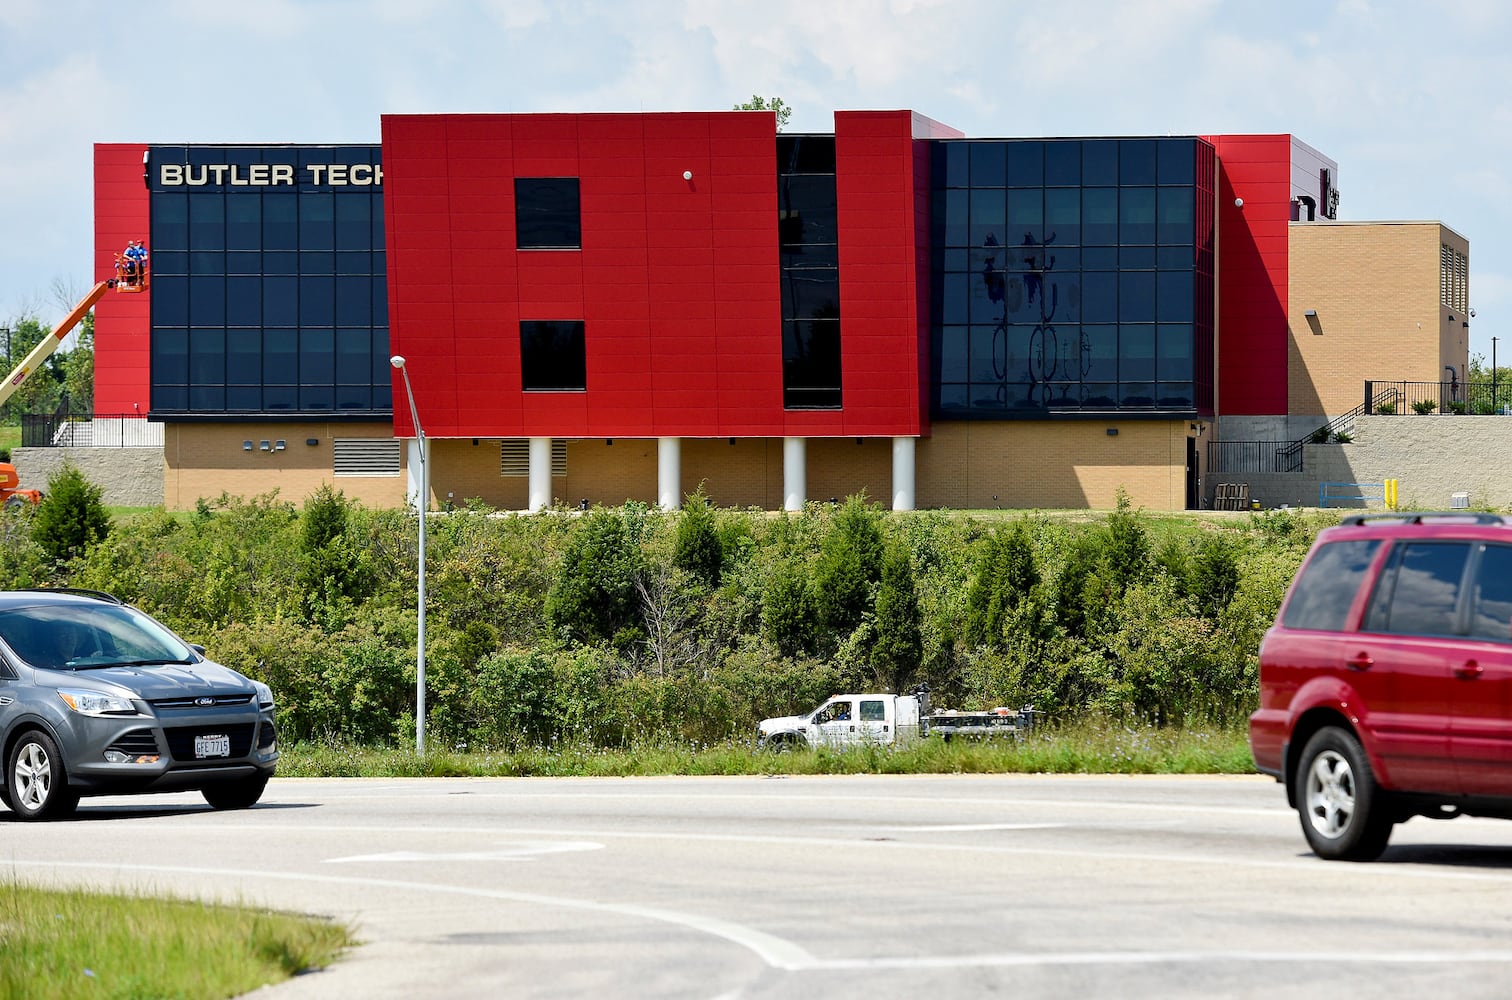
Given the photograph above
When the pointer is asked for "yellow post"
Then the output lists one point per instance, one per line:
(1391, 494)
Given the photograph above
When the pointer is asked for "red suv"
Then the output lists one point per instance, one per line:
(1386, 682)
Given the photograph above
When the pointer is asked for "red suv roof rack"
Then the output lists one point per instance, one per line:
(1427, 517)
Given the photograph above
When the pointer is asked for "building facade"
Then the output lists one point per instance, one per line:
(636, 306)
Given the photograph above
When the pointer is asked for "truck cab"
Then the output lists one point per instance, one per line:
(849, 720)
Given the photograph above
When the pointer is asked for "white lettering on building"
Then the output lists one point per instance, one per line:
(268, 174)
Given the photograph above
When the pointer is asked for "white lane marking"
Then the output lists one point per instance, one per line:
(973, 827)
(1169, 957)
(774, 951)
(526, 851)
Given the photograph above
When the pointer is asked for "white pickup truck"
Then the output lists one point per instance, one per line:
(884, 719)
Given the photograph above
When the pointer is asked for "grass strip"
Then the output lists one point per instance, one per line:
(1085, 748)
(66, 943)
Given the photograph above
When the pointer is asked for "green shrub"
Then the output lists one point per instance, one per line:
(1213, 575)
(1005, 574)
(23, 563)
(593, 596)
(71, 518)
(789, 620)
(698, 550)
(1386, 409)
(333, 571)
(1126, 549)
(898, 645)
(849, 567)
(1421, 406)
(551, 629)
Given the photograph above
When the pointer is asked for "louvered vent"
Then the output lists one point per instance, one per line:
(514, 458)
(366, 457)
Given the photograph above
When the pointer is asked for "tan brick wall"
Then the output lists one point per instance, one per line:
(206, 460)
(977, 465)
(1053, 464)
(610, 474)
(462, 471)
(1375, 288)
(747, 473)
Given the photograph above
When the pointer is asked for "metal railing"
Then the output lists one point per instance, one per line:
(1252, 456)
(1450, 398)
(54, 430)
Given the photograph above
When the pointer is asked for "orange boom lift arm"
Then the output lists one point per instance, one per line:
(131, 271)
(49, 344)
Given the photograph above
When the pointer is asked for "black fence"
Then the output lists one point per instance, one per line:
(1226, 457)
(89, 430)
(1452, 397)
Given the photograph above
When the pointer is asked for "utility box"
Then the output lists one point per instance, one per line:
(1459, 501)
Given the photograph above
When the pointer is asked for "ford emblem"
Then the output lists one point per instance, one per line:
(204, 702)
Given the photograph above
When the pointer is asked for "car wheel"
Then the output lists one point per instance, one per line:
(239, 794)
(37, 786)
(1345, 815)
(14, 503)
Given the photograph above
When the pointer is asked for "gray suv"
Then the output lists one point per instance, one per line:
(98, 698)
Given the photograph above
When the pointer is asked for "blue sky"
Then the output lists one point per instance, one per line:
(1413, 99)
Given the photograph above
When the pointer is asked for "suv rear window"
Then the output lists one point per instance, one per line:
(1419, 590)
(1326, 588)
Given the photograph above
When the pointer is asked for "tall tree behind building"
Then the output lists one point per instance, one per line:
(759, 103)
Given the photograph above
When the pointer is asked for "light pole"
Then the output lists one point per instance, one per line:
(421, 504)
(1493, 376)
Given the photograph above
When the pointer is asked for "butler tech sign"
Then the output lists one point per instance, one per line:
(269, 175)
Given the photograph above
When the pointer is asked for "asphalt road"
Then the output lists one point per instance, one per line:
(876, 886)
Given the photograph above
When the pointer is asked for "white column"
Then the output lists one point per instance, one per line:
(903, 473)
(540, 474)
(794, 473)
(414, 470)
(669, 472)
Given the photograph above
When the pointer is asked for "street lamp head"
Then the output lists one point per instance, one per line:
(397, 361)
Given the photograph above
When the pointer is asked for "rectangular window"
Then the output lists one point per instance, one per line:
(548, 213)
(808, 235)
(553, 355)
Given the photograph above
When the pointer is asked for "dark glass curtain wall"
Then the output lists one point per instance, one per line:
(1071, 276)
(268, 287)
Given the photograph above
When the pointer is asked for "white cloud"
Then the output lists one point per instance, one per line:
(1412, 101)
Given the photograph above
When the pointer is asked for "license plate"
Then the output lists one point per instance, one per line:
(212, 746)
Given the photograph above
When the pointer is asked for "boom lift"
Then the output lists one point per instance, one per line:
(131, 277)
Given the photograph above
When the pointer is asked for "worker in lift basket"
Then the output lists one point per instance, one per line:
(136, 258)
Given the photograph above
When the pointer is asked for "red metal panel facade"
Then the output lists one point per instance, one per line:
(677, 281)
(883, 307)
(1253, 272)
(122, 322)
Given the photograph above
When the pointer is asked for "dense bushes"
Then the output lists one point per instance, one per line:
(626, 624)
